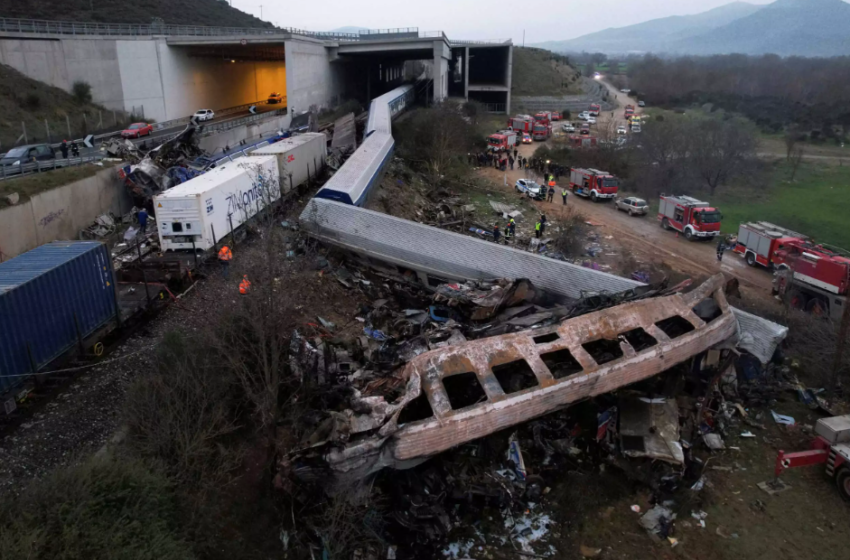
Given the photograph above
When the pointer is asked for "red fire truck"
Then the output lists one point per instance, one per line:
(593, 184)
(502, 140)
(543, 117)
(630, 110)
(812, 277)
(759, 241)
(831, 447)
(541, 131)
(692, 217)
(556, 115)
(595, 109)
(523, 124)
(578, 141)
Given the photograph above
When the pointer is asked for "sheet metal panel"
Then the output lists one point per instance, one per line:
(450, 254)
(46, 295)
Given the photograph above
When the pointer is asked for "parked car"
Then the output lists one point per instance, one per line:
(530, 188)
(275, 97)
(635, 128)
(591, 120)
(585, 129)
(584, 115)
(568, 127)
(137, 130)
(625, 90)
(526, 139)
(22, 155)
(641, 104)
(622, 129)
(633, 205)
(204, 115)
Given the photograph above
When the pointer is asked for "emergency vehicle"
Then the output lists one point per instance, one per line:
(595, 109)
(521, 123)
(502, 140)
(812, 278)
(831, 447)
(759, 241)
(687, 215)
(593, 184)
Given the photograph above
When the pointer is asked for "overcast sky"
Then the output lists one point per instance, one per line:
(543, 20)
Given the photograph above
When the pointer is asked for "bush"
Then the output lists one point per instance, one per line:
(32, 101)
(179, 412)
(81, 91)
(106, 509)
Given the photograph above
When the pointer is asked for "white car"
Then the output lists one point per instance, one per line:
(204, 115)
(591, 120)
(584, 115)
(635, 128)
(625, 90)
(568, 127)
(633, 205)
(622, 129)
(529, 187)
(641, 104)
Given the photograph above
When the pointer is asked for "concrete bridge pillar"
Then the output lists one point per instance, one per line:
(442, 55)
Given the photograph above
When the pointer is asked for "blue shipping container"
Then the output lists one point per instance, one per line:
(48, 296)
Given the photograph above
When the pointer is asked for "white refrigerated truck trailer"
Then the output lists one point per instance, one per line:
(299, 158)
(199, 212)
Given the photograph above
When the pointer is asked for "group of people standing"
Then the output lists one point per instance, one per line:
(499, 160)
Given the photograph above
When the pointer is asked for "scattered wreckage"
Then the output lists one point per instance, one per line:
(173, 162)
(467, 390)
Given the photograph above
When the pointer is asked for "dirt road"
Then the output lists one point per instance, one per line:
(641, 237)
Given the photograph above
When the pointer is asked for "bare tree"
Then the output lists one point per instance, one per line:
(720, 149)
(252, 338)
(795, 159)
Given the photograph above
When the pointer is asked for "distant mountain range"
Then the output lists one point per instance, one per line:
(786, 27)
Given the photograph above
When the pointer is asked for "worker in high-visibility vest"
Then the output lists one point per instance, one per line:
(564, 194)
(537, 230)
(225, 255)
(244, 285)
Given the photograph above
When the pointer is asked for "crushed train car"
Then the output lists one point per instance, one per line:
(469, 390)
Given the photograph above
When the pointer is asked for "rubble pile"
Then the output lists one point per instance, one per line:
(490, 493)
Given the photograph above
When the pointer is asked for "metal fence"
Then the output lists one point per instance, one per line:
(10, 172)
(53, 130)
(496, 107)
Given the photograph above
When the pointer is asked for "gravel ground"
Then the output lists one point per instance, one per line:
(80, 420)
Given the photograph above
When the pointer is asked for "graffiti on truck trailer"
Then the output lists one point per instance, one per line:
(255, 197)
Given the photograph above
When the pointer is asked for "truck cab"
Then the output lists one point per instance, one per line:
(693, 218)
(594, 184)
(502, 141)
(595, 109)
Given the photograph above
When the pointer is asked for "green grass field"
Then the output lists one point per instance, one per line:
(817, 203)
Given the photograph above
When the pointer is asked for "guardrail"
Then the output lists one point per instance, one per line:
(8, 172)
(219, 113)
(484, 43)
(214, 128)
(47, 27)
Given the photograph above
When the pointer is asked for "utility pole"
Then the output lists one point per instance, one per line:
(523, 37)
(261, 11)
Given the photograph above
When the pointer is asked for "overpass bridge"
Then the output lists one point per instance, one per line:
(174, 70)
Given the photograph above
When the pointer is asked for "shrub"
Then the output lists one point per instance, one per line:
(105, 508)
(32, 101)
(179, 412)
(81, 91)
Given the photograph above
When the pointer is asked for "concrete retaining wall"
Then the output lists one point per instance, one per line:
(216, 143)
(61, 213)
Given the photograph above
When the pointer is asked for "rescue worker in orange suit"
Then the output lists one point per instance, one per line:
(225, 255)
(244, 285)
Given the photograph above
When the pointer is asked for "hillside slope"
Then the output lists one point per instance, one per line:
(654, 35)
(28, 101)
(786, 27)
(540, 72)
(215, 13)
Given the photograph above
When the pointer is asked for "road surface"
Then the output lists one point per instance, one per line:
(158, 135)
